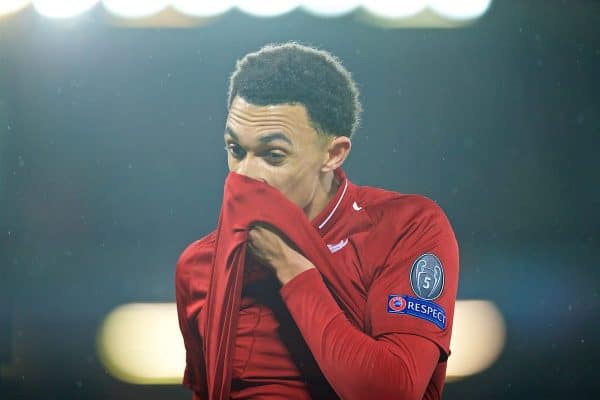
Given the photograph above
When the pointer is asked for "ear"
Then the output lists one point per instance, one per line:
(337, 151)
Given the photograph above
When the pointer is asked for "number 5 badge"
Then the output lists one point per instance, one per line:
(427, 277)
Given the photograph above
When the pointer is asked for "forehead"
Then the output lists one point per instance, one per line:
(292, 118)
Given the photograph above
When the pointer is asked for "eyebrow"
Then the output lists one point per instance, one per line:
(274, 136)
(230, 132)
(263, 139)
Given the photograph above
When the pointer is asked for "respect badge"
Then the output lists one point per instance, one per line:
(415, 307)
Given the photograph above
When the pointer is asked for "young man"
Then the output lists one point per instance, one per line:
(292, 112)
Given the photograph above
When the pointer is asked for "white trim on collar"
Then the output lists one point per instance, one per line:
(336, 205)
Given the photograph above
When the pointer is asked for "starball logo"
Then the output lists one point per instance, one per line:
(427, 310)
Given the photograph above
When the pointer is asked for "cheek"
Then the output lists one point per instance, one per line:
(299, 188)
(296, 181)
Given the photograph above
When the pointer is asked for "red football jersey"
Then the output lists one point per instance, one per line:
(400, 256)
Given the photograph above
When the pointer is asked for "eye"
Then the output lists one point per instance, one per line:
(275, 157)
(235, 150)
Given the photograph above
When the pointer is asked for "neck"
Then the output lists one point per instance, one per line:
(326, 190)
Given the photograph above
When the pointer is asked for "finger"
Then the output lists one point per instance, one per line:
(253, 234)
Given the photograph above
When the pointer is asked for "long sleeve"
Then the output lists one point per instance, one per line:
(193, 376)
(408, 313)
(191, 284)
(398, 366)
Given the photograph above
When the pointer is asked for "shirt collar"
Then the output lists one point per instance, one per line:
(332, 212)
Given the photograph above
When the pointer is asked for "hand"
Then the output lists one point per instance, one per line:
(269, 248)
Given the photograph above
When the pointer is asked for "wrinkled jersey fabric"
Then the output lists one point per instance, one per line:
(330, 331)
(244, 203)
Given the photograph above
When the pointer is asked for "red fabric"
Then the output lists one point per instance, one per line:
(340, 308)
(243, 204)
(394, 366)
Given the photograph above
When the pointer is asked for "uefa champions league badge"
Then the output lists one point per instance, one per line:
(427, 310)
(427, 277)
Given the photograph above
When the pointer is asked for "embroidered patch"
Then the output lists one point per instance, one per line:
(337, 246)
(427, 310)
(427, 277)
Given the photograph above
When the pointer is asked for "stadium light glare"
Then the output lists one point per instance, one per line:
(394, 8)
(330, 8)
(460, 10)
(12, 6)
(267, 8)
(135, 8)
(478, 337)
(449, 12)
(202, 8)
(140, 342)
(60, 9)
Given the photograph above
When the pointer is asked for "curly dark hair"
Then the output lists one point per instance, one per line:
(291, 73)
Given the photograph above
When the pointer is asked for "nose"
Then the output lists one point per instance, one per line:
(248, 167)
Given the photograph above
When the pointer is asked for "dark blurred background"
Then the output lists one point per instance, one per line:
(111, 162)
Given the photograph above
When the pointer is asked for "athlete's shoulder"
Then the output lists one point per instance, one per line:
(389, 207)
(192, 276)
(401, 224)
(197, 254)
